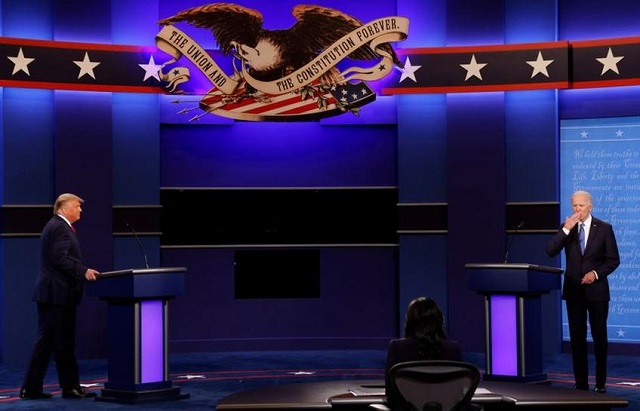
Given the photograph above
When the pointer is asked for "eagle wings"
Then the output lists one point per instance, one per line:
(273, 54)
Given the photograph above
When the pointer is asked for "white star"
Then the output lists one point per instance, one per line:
(20, 63)
(584, 134)
(408, 71)
(539, 65)
(151, 69)
(86, 66)
(610, 62)
(621, 333)
(473, 68)
(619, 133)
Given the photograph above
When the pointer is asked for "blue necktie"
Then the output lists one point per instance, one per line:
(581, 237)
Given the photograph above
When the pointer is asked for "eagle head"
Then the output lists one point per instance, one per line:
(265, 61)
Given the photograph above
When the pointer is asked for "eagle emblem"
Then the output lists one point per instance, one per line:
(316, 68)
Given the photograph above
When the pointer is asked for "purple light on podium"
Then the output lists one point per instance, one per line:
(504, 338)
(152, 341)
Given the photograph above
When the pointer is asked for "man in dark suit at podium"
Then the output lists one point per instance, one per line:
(58, 291)
(592, 254)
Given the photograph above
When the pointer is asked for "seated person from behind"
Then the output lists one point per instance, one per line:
(424, 336)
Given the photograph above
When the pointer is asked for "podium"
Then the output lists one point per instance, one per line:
(137, 323)
(513, 317)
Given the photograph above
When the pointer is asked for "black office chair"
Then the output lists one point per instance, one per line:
(435, 385)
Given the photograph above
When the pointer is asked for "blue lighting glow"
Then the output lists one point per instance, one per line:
(599, 102)
(590, 20)
(27, 19)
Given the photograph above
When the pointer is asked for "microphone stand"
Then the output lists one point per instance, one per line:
(144, 253)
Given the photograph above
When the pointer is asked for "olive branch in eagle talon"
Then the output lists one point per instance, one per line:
(319, 94)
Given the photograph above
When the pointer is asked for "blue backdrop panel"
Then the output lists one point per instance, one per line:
(532, 135)
(28, 146)
(603, 102)
(2, 146)
(478, 22)
(422, 264)
(136, 150)
(427, 27)
(278, 155)
(422, 148)
(355, 308)
(602, 157)
(530, 21)
(2, 242)
(3, 299)
(134, 22)
(69, 16)
(591, 19)
(476, 192)
(127, 253)
(31, 19)
(19, 312)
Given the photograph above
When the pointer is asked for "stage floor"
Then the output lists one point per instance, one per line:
(212, 376)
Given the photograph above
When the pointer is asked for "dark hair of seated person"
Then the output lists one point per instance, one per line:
(424, 336)
(424, 322)
(424, 339)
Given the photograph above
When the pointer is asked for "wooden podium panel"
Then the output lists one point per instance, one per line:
(513, 317)
(137, 323)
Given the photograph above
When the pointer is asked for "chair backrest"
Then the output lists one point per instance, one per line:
(432, 385)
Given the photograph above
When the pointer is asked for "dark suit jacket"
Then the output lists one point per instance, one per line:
(61, 277)
(601, 255)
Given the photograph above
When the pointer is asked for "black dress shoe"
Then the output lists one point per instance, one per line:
(600, 390)
(34, 395)
(77, 393)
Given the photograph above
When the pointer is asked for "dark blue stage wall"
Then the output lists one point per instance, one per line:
(310, 234)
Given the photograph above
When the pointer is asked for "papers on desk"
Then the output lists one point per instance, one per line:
(367, 390)
(378, 390)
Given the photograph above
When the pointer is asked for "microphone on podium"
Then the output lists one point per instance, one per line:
(144, 253)
(506, 254)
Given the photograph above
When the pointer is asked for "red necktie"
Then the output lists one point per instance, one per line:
(72, 228)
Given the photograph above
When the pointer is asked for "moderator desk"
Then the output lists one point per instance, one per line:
(360, 394)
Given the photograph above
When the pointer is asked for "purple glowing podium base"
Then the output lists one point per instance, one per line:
(137, 324)
(513, 317)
